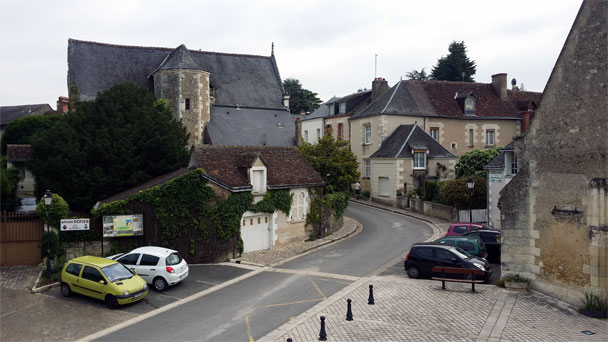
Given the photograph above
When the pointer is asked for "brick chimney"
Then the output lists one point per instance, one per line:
(298, 131)
(62, 104)
(379, 86)
(499, 82)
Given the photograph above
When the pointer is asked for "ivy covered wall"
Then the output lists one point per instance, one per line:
(185, 214)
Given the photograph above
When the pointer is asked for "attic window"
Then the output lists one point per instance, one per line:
(342, 108)
(469, 105)
(187, 104)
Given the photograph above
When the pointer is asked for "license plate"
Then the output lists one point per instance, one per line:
(138, 295)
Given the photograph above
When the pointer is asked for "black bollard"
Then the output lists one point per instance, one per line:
(349, 313)
(289, 340)
(370, 300)
(322, 333)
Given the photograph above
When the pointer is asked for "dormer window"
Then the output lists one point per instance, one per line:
(342, 109)
(469, 106)
(257, 176)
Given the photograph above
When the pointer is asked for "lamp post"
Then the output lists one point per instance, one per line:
(470, 186)
(48, 200)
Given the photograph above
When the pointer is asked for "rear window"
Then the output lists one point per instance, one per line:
(444, 242)
(488, 237)
(173, 259)
(467, 246)
(460, 229)
(148, 260)
(74, 269)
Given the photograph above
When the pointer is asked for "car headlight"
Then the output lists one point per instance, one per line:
(481, 267)
(126, 292)
(145, 286)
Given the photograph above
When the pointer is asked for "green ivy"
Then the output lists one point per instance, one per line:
(187, 207)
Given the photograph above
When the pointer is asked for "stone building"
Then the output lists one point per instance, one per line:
(554, 212)
(221, 98)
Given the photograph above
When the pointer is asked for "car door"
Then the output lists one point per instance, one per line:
(148, 267)
(89, 282)
(130, 260)
(72, 276)
(425, 260)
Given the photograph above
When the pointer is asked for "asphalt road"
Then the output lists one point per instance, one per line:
(254, 306)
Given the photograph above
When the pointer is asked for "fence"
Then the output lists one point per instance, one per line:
(20, 236)
(478, 215)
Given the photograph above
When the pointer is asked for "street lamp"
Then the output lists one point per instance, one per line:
(48, 200)
(470, 186)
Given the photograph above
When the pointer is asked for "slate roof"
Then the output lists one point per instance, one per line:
(321, 112)
(162, 179)
(498, 163)
(18, 152)
(10, 113)
(437, 98)
(408, 137)
(354, 102)
(247, 80)
(250, 127)
(227, 166)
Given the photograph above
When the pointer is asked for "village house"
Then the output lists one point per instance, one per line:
(554, 211)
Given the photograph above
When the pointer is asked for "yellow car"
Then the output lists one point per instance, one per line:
(103, 279)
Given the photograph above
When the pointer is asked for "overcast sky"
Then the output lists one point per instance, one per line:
(328, 45)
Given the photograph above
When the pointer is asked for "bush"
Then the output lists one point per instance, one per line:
(594, 306)
(431, 191)
(456, 193)
(515, 278)
(56, 247)
(365, 194)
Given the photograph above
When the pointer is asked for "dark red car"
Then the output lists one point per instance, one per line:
(460, 228)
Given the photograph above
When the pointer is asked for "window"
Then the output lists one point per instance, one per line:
(454, 146)
(435, 133)
(467, 246)
(490, 134)
(258, 181)
(298, 207)
(173, 259)
(469, 106)
(368, 168)
(129, 259)
(74, 269)
(383, 186)
(251, 222)
(340, 130)
(460, 229)
(187, 104)
(318, 134)
(91, 274)
(327, 129)
(424, 252)
(342, 108)
(471, 137)
(244, 222)
(265, 219)
(367, 137)
(419, 160)
(148, 260)
(332, 109)
(306, 136)
(444, 255)
(259, 220)
(514, 166)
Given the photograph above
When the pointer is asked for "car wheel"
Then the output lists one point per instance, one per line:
(413, 272)
(160, 284)
(65, 290)
(111, 302)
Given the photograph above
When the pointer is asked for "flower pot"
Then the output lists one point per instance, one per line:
(515, 285)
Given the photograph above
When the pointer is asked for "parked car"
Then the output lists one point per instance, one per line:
(462, 227)
(26, 205)
(492, 240)
(471, 244)
(102, 279)
(160, 267)
(422, 257)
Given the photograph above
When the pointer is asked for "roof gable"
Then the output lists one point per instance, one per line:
(178, 59)
(228, 165)
(407, 138)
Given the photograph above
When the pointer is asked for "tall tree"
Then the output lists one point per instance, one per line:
(334, 161)
(116, 142)
(472, 163)
(20, 131)
(300, 98)
(456, 66)
(417, 75)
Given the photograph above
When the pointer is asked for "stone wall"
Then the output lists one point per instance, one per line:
(76, 249)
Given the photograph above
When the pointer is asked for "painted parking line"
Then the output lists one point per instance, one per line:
(317, 288)
(334, 281)
(289, 303)
(313, 273)
(207, 282)
(248, 329)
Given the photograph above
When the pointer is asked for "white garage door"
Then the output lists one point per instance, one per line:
(255, 233)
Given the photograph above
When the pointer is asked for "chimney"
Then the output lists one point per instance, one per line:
(379, 86)
(499, 82)
(298, 131)
(62, 104)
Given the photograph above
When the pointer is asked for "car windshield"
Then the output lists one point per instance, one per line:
(173, 259)
(461, 253)
(116, 272)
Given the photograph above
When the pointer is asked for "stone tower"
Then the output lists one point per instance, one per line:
(180, 81)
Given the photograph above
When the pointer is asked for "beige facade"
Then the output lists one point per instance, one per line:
(338, 123)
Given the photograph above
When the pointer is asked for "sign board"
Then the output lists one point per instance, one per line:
(495, 176)
(123, 225)
(75, 224)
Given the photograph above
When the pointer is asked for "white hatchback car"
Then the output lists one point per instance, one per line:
(160, 267)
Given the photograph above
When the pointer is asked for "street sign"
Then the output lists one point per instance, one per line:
(75, 224)
(495, 176)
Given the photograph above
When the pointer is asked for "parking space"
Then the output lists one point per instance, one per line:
(397, 270)
(200, 278)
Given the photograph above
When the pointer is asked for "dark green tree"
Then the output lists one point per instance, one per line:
(334, 162)
(417, 75)
(452, 66)
(456, 193)
(20, 131)
(8, 186)
(300, 98)
(118, 141)
(472, 163)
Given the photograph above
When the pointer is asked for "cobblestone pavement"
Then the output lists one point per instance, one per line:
(19, 277)
(419, 310)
